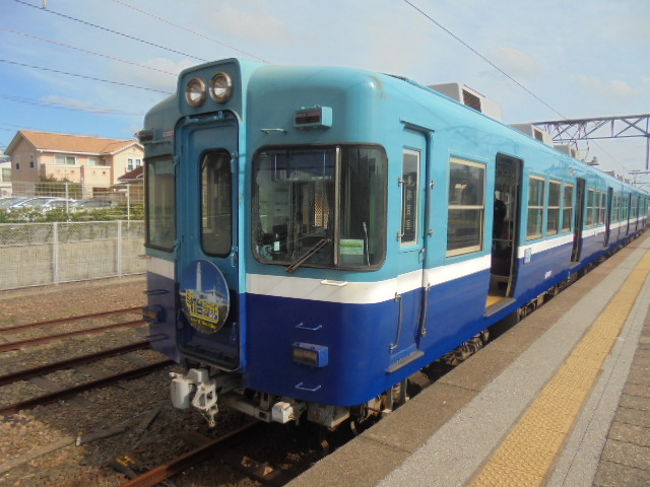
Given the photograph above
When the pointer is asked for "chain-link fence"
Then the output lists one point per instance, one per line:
(33, 254)
(64, 201)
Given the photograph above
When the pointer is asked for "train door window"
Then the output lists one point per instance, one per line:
(567, 208)
(553, 220)
(410, 190)
(591, 209)
(160, 203)
(535, 207)
(466, 207)
(216, 203)
(602, 207)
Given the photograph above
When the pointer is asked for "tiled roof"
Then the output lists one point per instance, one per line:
(72, 143)
(137, 173)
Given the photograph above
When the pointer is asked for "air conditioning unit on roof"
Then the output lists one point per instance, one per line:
(567, 149)
(535, 132)
(470, 97)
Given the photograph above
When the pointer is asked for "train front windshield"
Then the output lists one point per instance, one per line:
(320, 207)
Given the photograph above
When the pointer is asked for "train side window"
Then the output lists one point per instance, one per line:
(535, 207)
(216, 203)
(410, 191)
(567, 211)
(466, 207)
(591, 208)
(553, 221)
(160, 203)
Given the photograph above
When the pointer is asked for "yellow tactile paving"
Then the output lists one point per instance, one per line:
(526, 455)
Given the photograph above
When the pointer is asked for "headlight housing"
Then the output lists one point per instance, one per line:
(221, 87)
(195, 92)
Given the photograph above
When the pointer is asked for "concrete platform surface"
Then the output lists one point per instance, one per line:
(448, 434)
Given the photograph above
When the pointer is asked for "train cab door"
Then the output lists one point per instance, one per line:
(505, 231)
(208, 264)
(579, 220)
(410, 293)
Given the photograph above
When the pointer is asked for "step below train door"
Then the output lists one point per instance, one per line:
(505, 231)
(208, 264)
(412, 237)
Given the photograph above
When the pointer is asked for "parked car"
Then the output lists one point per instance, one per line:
(95, 203)
(47, 204)
(11, 200)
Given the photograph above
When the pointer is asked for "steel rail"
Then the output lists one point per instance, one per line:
(71, 362)
(6, 347)
(39, 324)
(178, 465)
(71, 391)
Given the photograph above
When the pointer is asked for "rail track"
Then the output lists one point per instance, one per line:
(6, 347)
(58, 321)
(67, 363)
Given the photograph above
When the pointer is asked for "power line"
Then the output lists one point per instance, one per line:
(69, 46)
(112, 31)
(511, 78)
(92, 78)
(93, 110)
(187, 29)
(485, 58)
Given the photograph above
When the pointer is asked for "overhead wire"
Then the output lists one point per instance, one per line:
(63, 106)
(500, 70)
(187, 29)
(107, 29)
(83, 76)
(87, 51)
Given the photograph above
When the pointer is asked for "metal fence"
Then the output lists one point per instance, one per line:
(33, 254)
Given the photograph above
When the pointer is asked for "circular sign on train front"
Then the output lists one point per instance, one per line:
(204, 296)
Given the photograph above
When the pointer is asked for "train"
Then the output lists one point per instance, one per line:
(316, 235)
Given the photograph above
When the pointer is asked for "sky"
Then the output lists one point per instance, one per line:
(94, 67)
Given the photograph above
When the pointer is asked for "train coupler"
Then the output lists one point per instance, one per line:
(195, 388)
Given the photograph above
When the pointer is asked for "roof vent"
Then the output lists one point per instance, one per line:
(567, 149)
(470, 97)
(535, 132)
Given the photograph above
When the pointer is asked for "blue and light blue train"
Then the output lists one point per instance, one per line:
(318, 234)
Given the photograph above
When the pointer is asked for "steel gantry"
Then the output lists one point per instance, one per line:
(570, 131)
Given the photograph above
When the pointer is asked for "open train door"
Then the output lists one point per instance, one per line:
(608, 215)
(580, 215)
(505, 231)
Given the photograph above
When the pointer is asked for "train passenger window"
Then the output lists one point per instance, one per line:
(216, 203)
(535, 207)
(160, 203)
(553, 221)
(466, 207)
(410, 186)
(567, 212)
(320, 207)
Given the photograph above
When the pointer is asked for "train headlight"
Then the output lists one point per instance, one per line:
(195, 92)
(221, 87)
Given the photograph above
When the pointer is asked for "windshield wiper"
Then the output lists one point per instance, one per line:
(311, 251)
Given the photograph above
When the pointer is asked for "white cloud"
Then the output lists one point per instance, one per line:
(515, 61)
(616, 88)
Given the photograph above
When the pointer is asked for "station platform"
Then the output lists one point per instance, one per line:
(560, 399)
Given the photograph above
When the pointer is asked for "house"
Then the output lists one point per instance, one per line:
(5, 175)
(94, 162)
